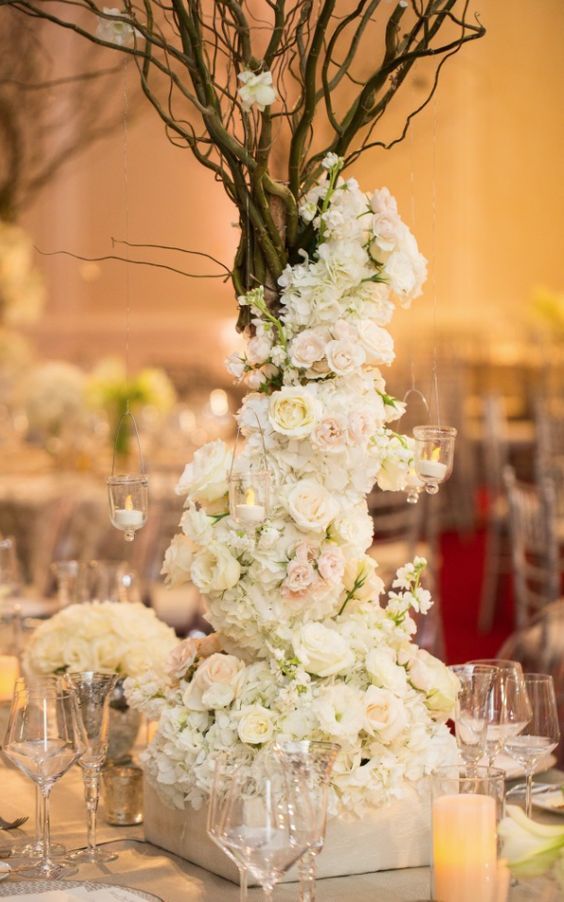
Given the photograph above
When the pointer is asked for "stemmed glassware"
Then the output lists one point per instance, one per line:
(44, 739)
(217, 808)
(313, 762)
(471, 709)
(507, 713)
(541, 734)
(268, 822)
(93, 692)
(34, 849)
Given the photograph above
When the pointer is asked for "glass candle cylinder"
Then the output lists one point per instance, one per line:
(122, 794)
(249, 491)
(466, 807)
(129, 503)
(433, 455)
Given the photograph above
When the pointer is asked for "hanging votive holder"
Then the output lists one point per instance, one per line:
(249, 496)
(434, 455)
(129, 503)
(413, 486)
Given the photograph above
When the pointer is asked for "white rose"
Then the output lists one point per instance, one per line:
(321, 650)
(384, 714)
(235, 365)
(387, 230)
(344, 356)
(215, 683)
(331, 564)
(383, 670)
(256, 89)
(205, 479)
(354, 528)
(311, 506)
(294, 411)
(256, 725)
(300, 576)
(255, 379)
(214, 569)
(308, 347)
(181, 658)
(378, 344)
(432, 677)
(330, 435)
(381, 201)
(178, 560)
(340, 711)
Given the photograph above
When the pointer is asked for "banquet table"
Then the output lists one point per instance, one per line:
(143, 866)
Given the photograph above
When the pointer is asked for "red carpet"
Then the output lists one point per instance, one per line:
(461, 582)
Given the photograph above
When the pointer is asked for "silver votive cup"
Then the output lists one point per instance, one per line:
(122, 794)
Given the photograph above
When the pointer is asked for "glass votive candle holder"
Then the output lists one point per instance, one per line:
(467, 804)
(129, 503)
(249, 491)
(434, 455)
(122, 795)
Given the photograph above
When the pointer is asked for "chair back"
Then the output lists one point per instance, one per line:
(534, 547)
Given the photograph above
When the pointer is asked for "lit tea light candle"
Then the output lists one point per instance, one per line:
(464, 848)
(9, 672)
(431, 469)
(128, 517)
(250, 512)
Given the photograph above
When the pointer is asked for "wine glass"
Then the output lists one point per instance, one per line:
(505, 716)
(268, 824)
(93, 692)
(541, 734)
(216, 815)
(44, 739)
(34, 849)
(471, 709)
(312, 761)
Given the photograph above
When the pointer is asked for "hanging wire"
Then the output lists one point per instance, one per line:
(128, 415)
(434, 257)
(125, 164)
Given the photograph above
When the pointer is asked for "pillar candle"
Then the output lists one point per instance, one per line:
(9, 672)
(464, 848)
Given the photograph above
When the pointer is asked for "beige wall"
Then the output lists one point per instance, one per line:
(480, 179)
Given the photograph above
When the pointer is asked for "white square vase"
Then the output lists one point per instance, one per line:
(396, 836)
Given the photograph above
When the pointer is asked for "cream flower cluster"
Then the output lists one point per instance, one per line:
(111, 638)
(307, 648)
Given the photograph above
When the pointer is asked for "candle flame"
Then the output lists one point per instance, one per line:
(436, 454)
(129, 503)
(250, 496)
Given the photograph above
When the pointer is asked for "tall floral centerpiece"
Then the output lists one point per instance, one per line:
(276, 100)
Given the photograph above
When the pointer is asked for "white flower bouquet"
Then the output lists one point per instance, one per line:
(126, 639)
(305, 648)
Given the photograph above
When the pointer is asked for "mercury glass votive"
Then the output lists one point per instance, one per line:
(122, 795)
(129, 503)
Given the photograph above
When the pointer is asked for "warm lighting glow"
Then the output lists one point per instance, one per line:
(464, 848)
(250, 496)
(128, 503)
(9, 672)
(219, 402)
(436, 454)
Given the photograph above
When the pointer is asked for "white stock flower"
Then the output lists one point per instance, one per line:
(294, 411)
(256, 725)
(311, 506)
(205, 479)
(256, 89)
(214, 569)
(321, 650)
(258, 348)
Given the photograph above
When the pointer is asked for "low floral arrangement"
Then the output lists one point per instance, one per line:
(104, 636)
(532, 849)
(305, 646)
(53, 397)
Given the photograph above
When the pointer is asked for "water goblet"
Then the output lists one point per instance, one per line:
(44, 739)
(541, 734)
(471, 709)
(268, 823)
(219, 794)
(34, 849)
(505, 716)
(93, 692)
(312, 761)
